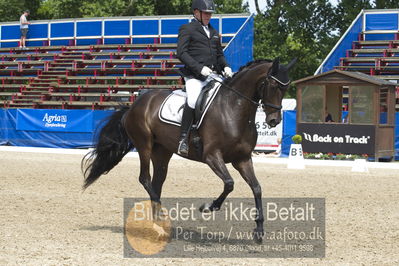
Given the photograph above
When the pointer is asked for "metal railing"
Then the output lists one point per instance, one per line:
(50, 29)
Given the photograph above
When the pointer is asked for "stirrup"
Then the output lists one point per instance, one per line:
(183, 147)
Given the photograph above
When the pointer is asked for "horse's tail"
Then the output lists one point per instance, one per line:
(112, 145)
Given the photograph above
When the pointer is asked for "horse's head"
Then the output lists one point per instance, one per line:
(272, 89)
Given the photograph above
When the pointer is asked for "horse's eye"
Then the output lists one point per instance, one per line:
(273, 83)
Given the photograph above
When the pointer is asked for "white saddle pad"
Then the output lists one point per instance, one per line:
(171, 110)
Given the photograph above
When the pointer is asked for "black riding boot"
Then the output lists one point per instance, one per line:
(187, 120)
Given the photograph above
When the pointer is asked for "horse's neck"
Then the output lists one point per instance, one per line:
(247, 81)
(239, 107)
(235, 106)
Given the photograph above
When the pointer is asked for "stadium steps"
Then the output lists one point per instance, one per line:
(28, 98)
(53, 73)
(378, 58)
(35, 89)
(51, 87)
(20, 105)
(63, 64)
(35, 92)
(50, 76)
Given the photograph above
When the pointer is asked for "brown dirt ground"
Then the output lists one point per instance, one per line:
(45, 218)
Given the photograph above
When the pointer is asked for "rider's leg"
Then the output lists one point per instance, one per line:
(193, 88)
(187, 120)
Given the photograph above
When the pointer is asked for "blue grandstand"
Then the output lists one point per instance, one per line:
(91, 65)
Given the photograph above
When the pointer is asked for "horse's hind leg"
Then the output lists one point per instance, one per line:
(145, 151)
(216, 163)
(160, 159)
(145, 177)
(246, 170)
(144, 146)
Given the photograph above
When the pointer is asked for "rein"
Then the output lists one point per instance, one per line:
(261, 104)
(237, 92)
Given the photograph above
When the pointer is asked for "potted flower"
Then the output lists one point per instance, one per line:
(297, 139)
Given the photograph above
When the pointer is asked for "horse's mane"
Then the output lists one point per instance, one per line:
(248, 65)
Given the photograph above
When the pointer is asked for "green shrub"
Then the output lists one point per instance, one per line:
(297, 139)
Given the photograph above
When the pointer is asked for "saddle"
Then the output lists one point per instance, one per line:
(201, 103)
(171, 110)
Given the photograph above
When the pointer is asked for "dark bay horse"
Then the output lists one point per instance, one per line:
(228, 133)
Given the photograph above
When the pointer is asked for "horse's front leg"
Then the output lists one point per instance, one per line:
(216, 163)
(246, 170)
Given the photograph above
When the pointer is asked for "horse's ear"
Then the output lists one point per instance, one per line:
(292, 63)
(275, 66)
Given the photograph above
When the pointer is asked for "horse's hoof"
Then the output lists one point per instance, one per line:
(206, 207)
(258, 236)
(258, 240)
(162, 234)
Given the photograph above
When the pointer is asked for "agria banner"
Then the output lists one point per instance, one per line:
(55, 120)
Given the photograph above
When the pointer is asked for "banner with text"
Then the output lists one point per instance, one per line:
(337, 138)
(268, 137)
(55, 120)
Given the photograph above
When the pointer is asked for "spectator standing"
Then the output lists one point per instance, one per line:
(24, 26)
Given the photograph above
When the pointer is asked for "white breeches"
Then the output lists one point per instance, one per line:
(194, 87)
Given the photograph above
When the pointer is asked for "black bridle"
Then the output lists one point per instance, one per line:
(262, 91)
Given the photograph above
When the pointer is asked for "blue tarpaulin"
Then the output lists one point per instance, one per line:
(289, 130)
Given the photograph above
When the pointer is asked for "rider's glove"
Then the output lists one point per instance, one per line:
(228, 72)
(206, 71)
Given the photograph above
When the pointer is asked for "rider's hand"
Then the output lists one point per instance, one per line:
(228, 72)
(206, 71)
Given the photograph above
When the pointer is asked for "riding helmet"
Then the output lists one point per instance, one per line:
(204, 5)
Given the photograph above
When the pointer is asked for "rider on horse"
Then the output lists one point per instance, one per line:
(199, 48)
